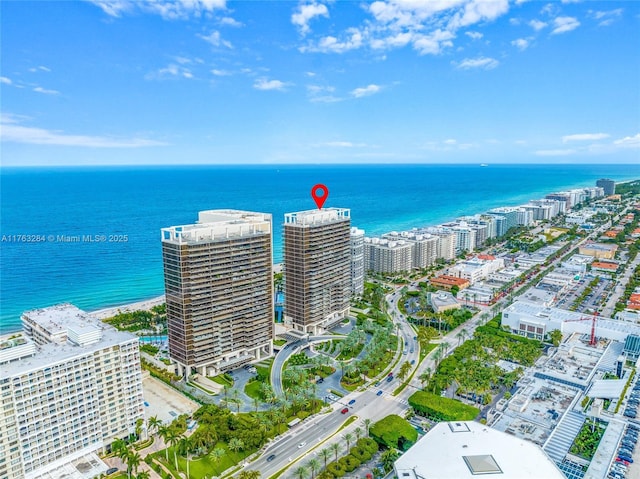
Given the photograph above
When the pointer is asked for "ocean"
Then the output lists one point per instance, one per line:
(123, 208)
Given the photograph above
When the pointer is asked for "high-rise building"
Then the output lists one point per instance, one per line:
(357, 261)
(70, 385)
(219, 290)
(425, 246)
(609, 186)
(317, 268)
(446, 242)
(511, 216)
(389, 256)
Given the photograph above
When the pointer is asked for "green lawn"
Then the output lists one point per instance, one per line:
(220, 379)
(279, 342)
(252, 390)
(204, 466)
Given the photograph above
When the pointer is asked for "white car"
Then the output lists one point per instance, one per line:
(301, 445)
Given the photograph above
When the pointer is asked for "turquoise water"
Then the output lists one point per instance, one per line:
(134, 203)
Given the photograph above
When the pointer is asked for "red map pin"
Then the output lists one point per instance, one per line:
(319, 193)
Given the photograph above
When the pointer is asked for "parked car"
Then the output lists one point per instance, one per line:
(112, 470)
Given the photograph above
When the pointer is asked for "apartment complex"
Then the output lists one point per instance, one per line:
(219, 290)
(357, 261)
(388, 256)
(317, 268)
(70, 385)
(608, 186)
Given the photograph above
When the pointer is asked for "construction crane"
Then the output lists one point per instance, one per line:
(594, 320)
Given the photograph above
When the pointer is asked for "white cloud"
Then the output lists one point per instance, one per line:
(230, 22)
(481, 62)
(537, 25)
(264, 84)
(39, 89)
(170, 71)
(564, 152)
(332, 44)
(433, 43)
(215, 39)
(585, 137)
(521, 43)
(564, 24)
(477, 11)
(429, 27)
(607, 17)
(315, 89)
(628, 141)
(474, 35)
(14, 133)
(450, 142)
(343, 144)
(306, 13)
(366, 91)
(5, 80)
(167, 9)
(220, 73)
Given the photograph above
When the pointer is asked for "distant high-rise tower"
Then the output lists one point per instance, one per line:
(357, 261)
(317, 268)
(609, 186)
(219, 287)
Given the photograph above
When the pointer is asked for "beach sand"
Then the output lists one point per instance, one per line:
(126, 308)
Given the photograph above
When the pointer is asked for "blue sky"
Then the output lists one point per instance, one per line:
(407, 81)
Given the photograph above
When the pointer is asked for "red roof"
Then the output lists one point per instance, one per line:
(486, 257)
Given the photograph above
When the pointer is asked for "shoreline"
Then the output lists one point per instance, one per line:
(144, 305)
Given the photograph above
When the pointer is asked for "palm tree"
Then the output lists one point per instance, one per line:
(367, 425)
(165, 432)
(249, 475)
(153, 423)
(174, 439)
(143, 475)
(388, 457)
(358, 432)
(133, 460)
(119, 447)
(185, 445)
(335, 447)
(236, 444)
(314, 465)
(324, 454)
(301, 472)
(217, 454)
(425, 376)
(348, 437)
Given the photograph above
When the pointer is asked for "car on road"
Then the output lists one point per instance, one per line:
(301, 445)
(389, 375)
(345, 410)
(271, 457)
(320, 381)
(413, 361)
(352, 402)
(379, 393)
(389, 379)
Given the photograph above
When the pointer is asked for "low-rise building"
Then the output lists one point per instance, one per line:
(443, 301)
(448, 282)
(459, 450)
(64, 400)
(599, 250)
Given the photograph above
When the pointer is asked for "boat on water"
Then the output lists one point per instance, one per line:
(483, 164)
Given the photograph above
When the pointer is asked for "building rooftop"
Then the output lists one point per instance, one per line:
(53, 353)
(219, 225)
(458, 450)
(599, 246)
(316, 217)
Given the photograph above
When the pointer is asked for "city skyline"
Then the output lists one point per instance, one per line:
(120, 82)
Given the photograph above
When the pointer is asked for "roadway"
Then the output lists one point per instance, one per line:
(288, 350)
(368, 405)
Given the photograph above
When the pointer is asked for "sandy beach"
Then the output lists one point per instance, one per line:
(125, 308)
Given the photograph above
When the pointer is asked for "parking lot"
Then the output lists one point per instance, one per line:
(593, 301)
(165, 402)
